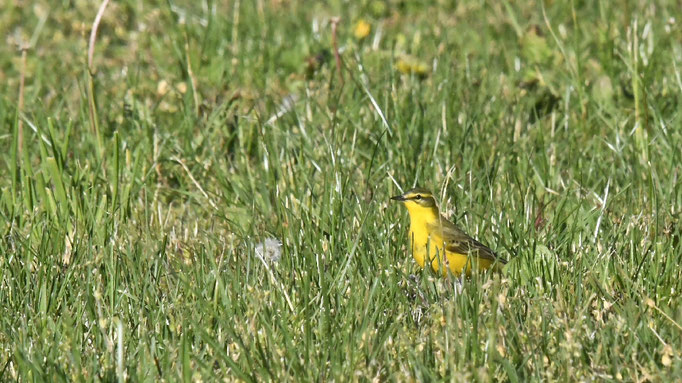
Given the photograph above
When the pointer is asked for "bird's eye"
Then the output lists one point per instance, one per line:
(418, 197)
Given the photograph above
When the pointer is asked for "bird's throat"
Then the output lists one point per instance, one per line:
(421, 216)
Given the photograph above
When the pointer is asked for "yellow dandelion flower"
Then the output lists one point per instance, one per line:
(411, 66)
(362, 29)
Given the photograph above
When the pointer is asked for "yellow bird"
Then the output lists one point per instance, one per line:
(432, 236)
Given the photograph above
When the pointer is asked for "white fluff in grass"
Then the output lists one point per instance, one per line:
(269, 250)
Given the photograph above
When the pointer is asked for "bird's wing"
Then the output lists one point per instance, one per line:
(457, 241)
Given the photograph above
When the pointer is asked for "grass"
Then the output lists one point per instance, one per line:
(550, 130)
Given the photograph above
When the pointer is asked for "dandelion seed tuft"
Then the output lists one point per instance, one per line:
(270, 250)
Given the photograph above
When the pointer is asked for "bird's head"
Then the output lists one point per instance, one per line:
(416, 199)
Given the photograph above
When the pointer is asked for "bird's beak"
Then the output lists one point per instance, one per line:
(400, 198)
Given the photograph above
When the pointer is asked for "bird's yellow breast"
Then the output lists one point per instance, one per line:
(429, 244)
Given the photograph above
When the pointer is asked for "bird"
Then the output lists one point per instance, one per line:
(440, 242)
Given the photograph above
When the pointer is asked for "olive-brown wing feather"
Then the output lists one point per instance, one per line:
(457, 241)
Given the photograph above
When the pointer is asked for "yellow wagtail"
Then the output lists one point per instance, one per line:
(432, 235)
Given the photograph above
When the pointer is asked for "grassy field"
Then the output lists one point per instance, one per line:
(133, 217)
